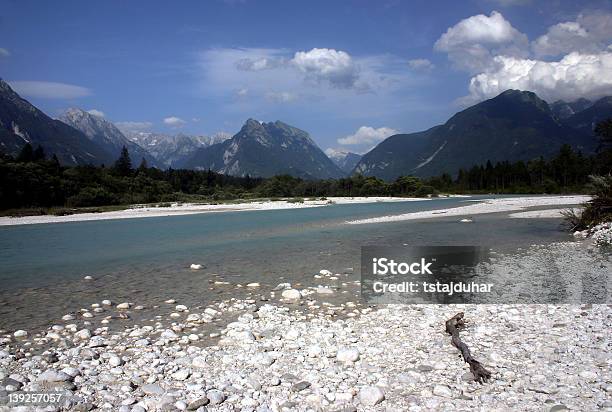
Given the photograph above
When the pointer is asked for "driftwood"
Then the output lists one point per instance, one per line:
(453, 325)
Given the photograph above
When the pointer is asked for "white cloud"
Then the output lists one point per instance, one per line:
(174, 121)
(281, 97)
(264, 63)
(575, 75)
(472, 43)
(96, 112)
(4, 52)
(242, 92)
(49, 90)
(590, 33)
(134, 126)
(367, 135)
(327, 65)
(421, 64)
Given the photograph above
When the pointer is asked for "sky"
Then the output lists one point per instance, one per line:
(350, 73)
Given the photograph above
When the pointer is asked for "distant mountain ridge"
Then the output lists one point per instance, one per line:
(106, 135)
(174, 151)
(266, 149)
(515, 125)
(22, 123)
(346, 161)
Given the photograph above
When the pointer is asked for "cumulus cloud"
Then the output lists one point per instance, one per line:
(4, 52)
(367, 135)
(472, 43)
(49, 90)
(590, 33)
(134, 127)
(174, 121)
(575, 75)
(96, 112)
(421, 64)
(327, 65)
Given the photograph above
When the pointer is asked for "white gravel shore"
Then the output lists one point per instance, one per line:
(179, 209)
(486, 206)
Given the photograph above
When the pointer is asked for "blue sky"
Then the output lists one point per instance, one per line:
(349, 73)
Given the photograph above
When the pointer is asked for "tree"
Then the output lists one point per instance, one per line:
(123, 165)
(143, 165)
(26, 154)
(603, 130)
(39, 154)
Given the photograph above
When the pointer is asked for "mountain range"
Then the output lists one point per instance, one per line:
(515, 125)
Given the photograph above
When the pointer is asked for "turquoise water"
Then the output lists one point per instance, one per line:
(147, 259)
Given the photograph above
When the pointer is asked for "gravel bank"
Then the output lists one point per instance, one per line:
(543, 357)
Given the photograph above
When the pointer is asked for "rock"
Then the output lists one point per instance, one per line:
(169, 334)
(53, 376)
(215, 396)
(371, 395)
(20, 333)
(292, 294)
(181, 374)
(83, 334)
(199, 362)
(253, 285)
(88, 277)
(347, 355)
(321, 290)
(325, 272)
(124, 305)
(558, 408)
(466, 220)
(180, 308)
(153, 389)
(198, 403)
(68, 317)
(115, 361)
(425, 367)
(107, 302)
(195, 266)
(443, 391)
(588, 375)
(282, 286)
(211, 312)
(300, 386)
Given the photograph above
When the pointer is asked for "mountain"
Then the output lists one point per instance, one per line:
(346, 161)
(21, 123)
(173, 151)
(563, 110)
(586, 120)
(515, 125)
(266, 149)
(106, 135)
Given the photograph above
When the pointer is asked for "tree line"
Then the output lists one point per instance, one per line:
(33, 180)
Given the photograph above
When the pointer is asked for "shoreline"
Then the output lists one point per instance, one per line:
(181, 209)
(484, 206)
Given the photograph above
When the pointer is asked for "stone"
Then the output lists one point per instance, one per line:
(215, 396)
(107, 302)
(443, 391)
(198, 403)
(300, 386)
(195, 266)
(291, 294)
(124, 305)
(253, 285)
(20, 333)
(558, 408)
(347, 355)
(181, 374)
(169, 334)
(321, 290)
(153, 389)
(83, 334)
(371, 395)
(181, 308)
(53, 376)
(115, 361)
(199, 362)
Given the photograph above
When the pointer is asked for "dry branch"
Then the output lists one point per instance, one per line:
(453, 325)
